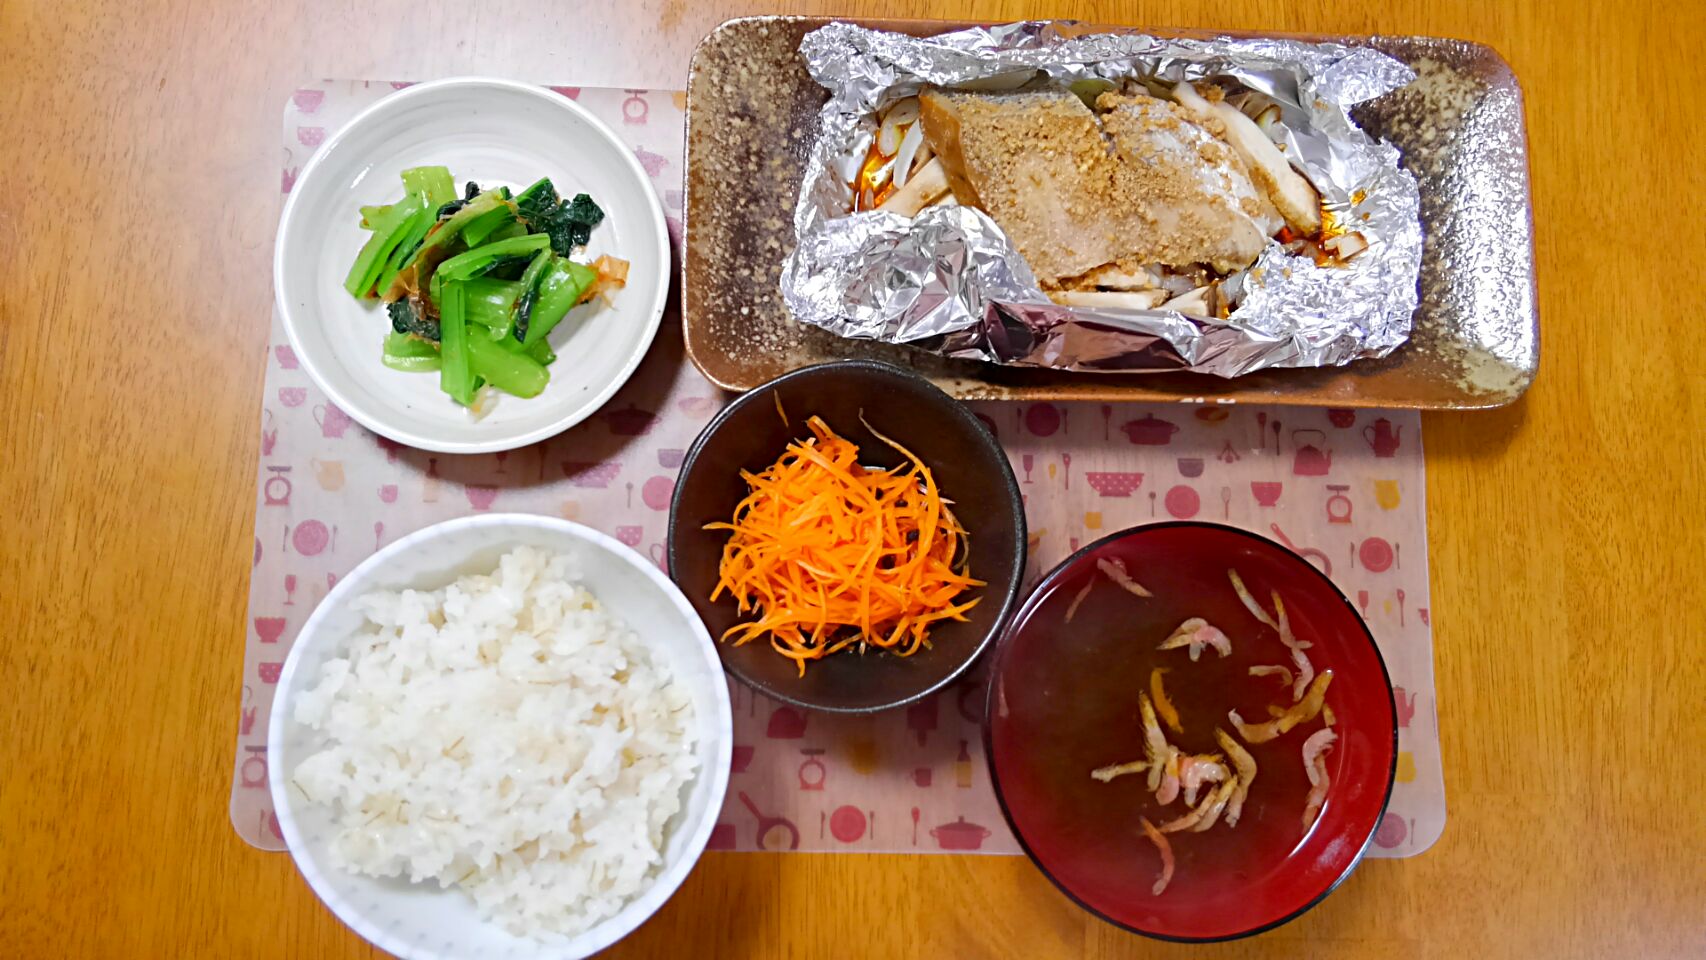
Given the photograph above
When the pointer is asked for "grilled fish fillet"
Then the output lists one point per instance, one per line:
(1141, 182)
(1036, 162)
(1197, 191)
(1290, 193)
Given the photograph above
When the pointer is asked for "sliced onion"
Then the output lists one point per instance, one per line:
(1269, 120)
(1273, 670)
(900, 116)
(903, 158)
(903, 111)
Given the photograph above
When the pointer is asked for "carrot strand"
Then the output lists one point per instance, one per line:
(827, 554)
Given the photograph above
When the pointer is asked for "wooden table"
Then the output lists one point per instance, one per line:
(137, 209)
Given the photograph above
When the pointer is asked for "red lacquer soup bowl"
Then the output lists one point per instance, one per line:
(1064, 700)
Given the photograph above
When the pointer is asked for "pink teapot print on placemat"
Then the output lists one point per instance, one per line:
(1406, 706)
(1382, 437)
(1309, 460)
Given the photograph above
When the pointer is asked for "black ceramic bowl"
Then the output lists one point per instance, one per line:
(970, 469)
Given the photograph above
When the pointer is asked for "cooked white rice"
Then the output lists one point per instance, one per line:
(505, 734)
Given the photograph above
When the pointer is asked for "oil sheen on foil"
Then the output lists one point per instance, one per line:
(949, 280)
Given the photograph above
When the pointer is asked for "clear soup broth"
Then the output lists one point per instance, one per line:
(1066, 701)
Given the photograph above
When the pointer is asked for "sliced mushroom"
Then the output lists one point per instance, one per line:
(894, 126)
(1198, 302)
(1345, 246)
(929, 183)
(1115, 277)
(1290, 193)
(908, 152)
(1105, 299)
(924, 156)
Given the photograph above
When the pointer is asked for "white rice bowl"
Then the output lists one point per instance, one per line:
(506, 738)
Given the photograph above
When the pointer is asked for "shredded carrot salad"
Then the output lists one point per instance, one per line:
(829, 554)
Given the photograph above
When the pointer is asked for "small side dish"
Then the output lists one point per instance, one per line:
(827, 554)
(507, 735)
(474, 282)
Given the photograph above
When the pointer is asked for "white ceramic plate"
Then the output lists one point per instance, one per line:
(421, 921)
(497, 133)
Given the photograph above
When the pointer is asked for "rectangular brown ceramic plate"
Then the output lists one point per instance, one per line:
(752, 115)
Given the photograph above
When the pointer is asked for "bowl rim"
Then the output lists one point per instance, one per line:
(962, 415)
(606, 932)
(288, 222)
(1011, 630)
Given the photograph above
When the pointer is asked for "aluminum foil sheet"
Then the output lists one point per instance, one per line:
(949, 280)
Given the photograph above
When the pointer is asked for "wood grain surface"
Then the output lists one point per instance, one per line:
(140, 174)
